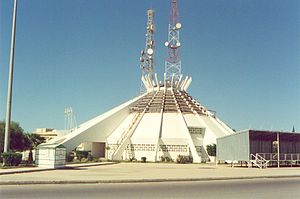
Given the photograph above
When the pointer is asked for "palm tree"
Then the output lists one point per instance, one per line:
(32, 141)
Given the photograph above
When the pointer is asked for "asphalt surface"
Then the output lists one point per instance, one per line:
(253, 188)
(141, 172)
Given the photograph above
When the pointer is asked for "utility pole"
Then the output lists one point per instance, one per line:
(278, 151)
(10, 80)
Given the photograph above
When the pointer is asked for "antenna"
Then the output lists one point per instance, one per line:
(147, 55)
(173, 62)
(70, 119)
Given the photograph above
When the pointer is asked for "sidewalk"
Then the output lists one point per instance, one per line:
(143, 172)
(37, 169)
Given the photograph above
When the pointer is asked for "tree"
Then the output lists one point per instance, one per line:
(17, 137)
(32, 141)
(211, 149)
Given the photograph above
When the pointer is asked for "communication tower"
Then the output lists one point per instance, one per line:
(70, 119)
(173, 62)
(147, 55)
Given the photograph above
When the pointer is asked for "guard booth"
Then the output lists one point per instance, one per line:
(51, 156)
(260, 148)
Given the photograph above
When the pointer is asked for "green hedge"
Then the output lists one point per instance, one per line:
(12, 158)
(183, 159)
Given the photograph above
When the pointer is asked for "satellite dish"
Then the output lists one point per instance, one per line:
(150, 51)
(166, 44)
(151, 27)
(178, 25)
(178, 44)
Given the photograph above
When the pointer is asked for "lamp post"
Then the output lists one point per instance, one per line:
(10, 80)
(278, 151)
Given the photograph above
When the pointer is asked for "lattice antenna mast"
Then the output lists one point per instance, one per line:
(147, 55)
(70, 119)
(173, 62)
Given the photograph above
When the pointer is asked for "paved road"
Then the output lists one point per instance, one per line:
(255, 188)
(141, 172)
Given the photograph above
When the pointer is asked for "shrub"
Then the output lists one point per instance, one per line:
(165, 159)
(211, 149)
(90, 157)
(70, 157)
(132, 159)
(81, 154)
(26, 163)
(143, 159)
(168, 159)
(76, 161)
(182, 159)
(12, 158)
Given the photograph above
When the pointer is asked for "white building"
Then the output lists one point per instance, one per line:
(48, 133)
(165, 121)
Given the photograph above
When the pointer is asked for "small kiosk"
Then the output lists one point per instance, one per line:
(51, 156)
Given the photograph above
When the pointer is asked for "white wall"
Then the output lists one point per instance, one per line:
(148, 129)
(118, 132)
(173, 126)
(51, 157)
(234, 147)
(192, 120)
(96, 129)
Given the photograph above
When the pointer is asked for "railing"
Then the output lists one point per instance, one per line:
(259, 161)
(282, 156)
(124, 135)
(128, 132)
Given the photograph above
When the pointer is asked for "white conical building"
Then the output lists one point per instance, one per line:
(165, 121)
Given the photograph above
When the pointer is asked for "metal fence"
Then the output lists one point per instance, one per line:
(282, 156)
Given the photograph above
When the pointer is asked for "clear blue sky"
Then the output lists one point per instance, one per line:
(243, 55)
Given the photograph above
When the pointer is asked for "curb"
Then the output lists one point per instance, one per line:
(26, 171)
(89, 165)
(69, 166)
(142, 180)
